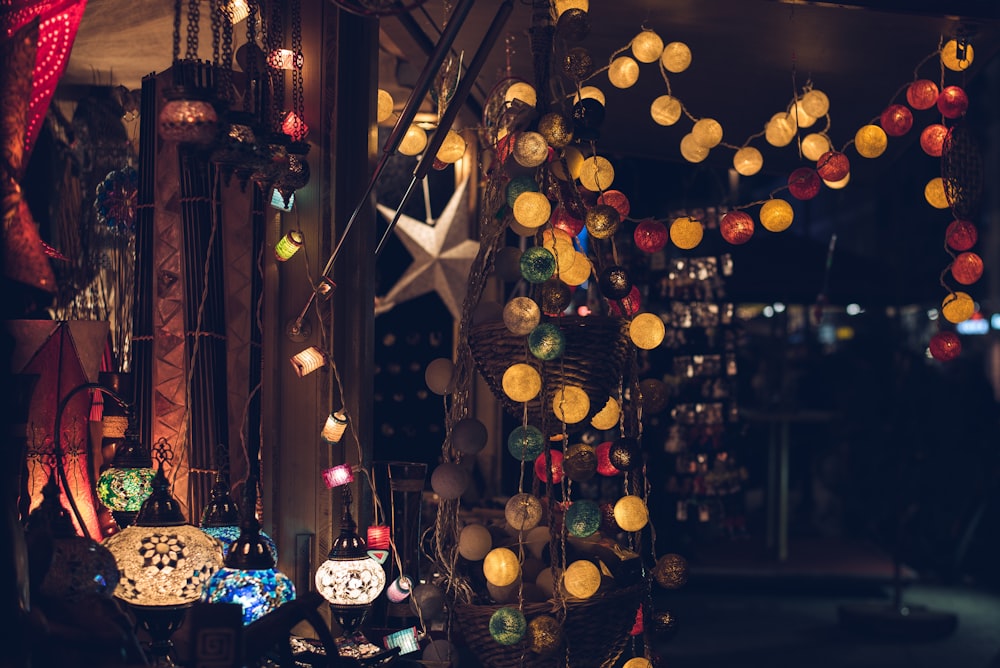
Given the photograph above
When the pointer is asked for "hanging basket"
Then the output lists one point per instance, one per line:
(594, 359)
(595, 631)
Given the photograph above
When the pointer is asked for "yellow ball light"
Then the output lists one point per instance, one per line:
(686, 232)
(958, 307)
(561, 6)
(870, 141)
(474, 542)
(590, 92)
(530, 149)
(837, 185)
(414, 141)
(532, 209)
(383, 108)
(631, 513)
(623, 72)
(523, 512)
(647, 46)
(707, 132)
(691, 150)
(582, 579)
(570, 404)
(574, 163)
(780, 130)
(747, 161)
(638, 662)
(935, 194)
(608, 416)
(950, 59)
(665, 110)
(647, 330)
(776, 215)
(802, 118)
(521, 382)
(597, 174)
(452, 148)
(676, 57)
(521, 315)
(814, 145)
(501, 567)
(579, 271)
(816, 103)
(522, 92)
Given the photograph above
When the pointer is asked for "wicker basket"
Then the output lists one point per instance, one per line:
(595, 631)
(594, 359)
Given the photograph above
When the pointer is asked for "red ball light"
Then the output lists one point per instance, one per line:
(736, 227)
(945, 346)
(967, 268)
(922, 94)
(628, 305)
(952, 102)
(650, 236)
(804, 183)
(961, 235)
(557, 468)
(932, 139)
(897, 120)
(637, 626)
(833, 166)
(562, 219)
(505, 146)
(617, 200)
(604, 465)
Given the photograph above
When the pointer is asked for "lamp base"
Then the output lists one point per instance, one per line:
(160, 623)
(903, 622)
(124, 518)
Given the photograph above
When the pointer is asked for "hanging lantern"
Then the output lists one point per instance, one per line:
(961, 235)
(399, 589)
(523, 512)
(922, 94)
(543, 470)
(334, 428)
(945, 346)
(736, 227)
(379, 537)
(221, 518)
(597, 174)
(414, 141)
(967, 268)
(647, 331)
(833, 166)
(804, 183)
(307, 361)
(870, 141)
(816, 103)
(602, 221)
(631, 513)
(953, 102)
(338, 476)
(125, 485)
(932, 139)
(474, 542)
(570, 404)
(707, 132)
(896, 120)
(934, 193)
(537, 263)
(284, 59)
(521, 382)
(956, 55)
(686, 232)
(623, 72)
(607, 417)
(957, 307)
(747, 161)
(676, 57)
(532, 209)
(525, 443)
(236, 10)
(288, 245)
(186, 119)
(776, 215)
(665, 110)
(501, 567)
(691, 150)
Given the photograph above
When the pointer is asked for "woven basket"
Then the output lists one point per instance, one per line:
(595, 631)
(594, 359)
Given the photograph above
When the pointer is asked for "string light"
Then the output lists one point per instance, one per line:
(288, 245)
(334, 428)
(307, 361)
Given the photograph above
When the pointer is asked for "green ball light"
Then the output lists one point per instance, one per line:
(546, 342)
(518, 185)
(508, 626)
(537, 264)
(583, 518)
(525, 443)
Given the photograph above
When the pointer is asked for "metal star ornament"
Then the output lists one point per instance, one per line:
(442, 255)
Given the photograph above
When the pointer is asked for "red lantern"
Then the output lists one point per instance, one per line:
(736, 227)
(961, 235)
(378, 537)
(945, 346)
(896, 120)
(562, 219)
(628, 305)
(650, 236)
(804, 183)
(556, 469)
(922, 94)
(294, 127)
(617, 200)
(967, 268)
(604, 465)
(952, 102)
(833, 166)
(932, 139)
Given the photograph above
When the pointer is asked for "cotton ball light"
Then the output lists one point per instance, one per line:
(647, 46)
(870, 141)
(501, 567)
(837, 185)
(577, 63)
(508, 626)
(961, 235)
(676, 57)
(631, 513)
(383, 106)
(776, 215)
(427, 600)
(650, 236)
(747, 161)
(590, 93)
(570, 404)
(802, 118)
(957, 57)
(506, 594)
(521, 315)
(400, 588)
(707, 132)
(414, 141)
(647, 331)
(804, 183)
(581, 579)
(522, 92)
(935, 194)
(833, 166)
(686, 232)
(439, 376)
(544, 635)
(521, 382)
(604, 465)
(623, 72)
(580, 462)
(583, 518)
(922, 94)
(523, 512)
(957, 307)
(896, 120)
(469, 436)
(537, 264)
(625, 454)
(525, 443)
(543, 469)
(556, 129)
(691, 150)
(562, 6)
(530, 149)
(665, 110)
(546, 342)
(597, 173)
(474, 542)
(452, 148)
(932, 139)
(816, 103)
(814, 145)
(736, 227)
(671, 571)
(532, 209)
(780, 130)
(953, 102)
(519, 184)
(616, 199)
(555, 294)
(945, 346)
(602, 221)
(449, 480)
(578, 272)
(588, 115)
(967, 268)
(615, 282)
(628, 305)
(654, 394)
(607, 417)
(573, 159)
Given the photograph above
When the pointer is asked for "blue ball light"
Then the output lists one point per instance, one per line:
(526, 443)
(537, 264)
(546, 342)
(508, 626)
(583, 518)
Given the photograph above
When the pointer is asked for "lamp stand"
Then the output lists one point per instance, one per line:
(160, 622)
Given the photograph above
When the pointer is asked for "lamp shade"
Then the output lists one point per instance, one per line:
(124, 485)
(221, 519)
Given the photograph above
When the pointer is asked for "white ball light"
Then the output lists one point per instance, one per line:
(814, 145)
(647, 46)
(707, 132)
(589, 92)
(676, 57)
(665, 110)
(623, 72)
(816, 103)
(474, 542)
(780, 130)
(522, 92)
(691, 150)
(747, 161)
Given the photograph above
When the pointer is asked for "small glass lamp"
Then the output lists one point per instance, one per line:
(124, 485)
(221, 518)
(164, 563)
(349, 579)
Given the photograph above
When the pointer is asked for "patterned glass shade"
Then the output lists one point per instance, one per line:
(229, 533)
(350, 582)
(258, 591)
(80, 567)
(124, 489)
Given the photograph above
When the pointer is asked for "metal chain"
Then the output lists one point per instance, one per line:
(297, 83)
(251, 93)
(177, 31)
(275, 35)
(193, 18)
(226, 73)
(216, 13)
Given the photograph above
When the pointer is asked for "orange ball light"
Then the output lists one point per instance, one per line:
(686, 232)
(736, 227)
(833, 166)
(804, 183)
(776, 215)
(932, 139)
(961, 235)
(647, 331)
(896, 120)
(957, 307)
(665, 110)
(967, 268)
(953, 102)
(922, 94)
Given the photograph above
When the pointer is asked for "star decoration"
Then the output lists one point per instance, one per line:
(442, 256)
